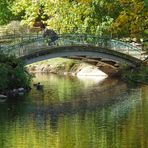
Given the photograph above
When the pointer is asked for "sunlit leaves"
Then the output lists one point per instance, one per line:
(84, 1)
(132, 19)
(122, 17)
(5, 13)
(79, 16)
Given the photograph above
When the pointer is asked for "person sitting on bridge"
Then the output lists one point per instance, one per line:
(49, 34)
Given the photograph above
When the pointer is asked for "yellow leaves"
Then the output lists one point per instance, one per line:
(110, 7)
(138, 7)
(123, 18)
(123, 2)
(85, 1)
(132, 19)
(134, 28)
(19, 5)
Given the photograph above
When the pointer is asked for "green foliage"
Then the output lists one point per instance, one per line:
(132, 19)
(81, 16)
(139, 74)
(6, 14)
(3, 76)
(12, 73)
(101, 17)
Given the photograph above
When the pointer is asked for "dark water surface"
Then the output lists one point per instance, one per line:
(76, 113)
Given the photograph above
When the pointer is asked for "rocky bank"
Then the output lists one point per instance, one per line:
(65, 67)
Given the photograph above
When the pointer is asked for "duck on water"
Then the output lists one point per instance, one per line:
(38, 86)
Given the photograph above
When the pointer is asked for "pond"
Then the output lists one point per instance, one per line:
(70, 112)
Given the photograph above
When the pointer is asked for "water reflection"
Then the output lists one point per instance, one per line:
(70, 113)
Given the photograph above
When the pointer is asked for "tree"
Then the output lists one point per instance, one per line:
(5, 12)
(68, 16)
(132, 19)
(100, 17)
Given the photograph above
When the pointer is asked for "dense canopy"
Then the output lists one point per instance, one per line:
(100, 17)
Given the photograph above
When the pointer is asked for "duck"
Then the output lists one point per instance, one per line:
(38, 86)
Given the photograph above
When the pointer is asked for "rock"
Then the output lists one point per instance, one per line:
(21, 89)
(20, 93)
(3, 98)
(14, 92)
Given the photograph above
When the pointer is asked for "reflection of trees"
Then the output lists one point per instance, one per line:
(104, 127)
(137, 126)
(10, 112)
(116, 118)
(65, 94)
(101, 128)
(58, 88)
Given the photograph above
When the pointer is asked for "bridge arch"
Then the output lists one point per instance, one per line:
(107, 56)
(81, 50)
(110, 51)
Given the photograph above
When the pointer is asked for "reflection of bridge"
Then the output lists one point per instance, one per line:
(83, 47)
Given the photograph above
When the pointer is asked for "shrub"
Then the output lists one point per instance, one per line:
(139, 74)
(13, 73)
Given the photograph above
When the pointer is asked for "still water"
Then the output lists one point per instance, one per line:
(76, 113)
